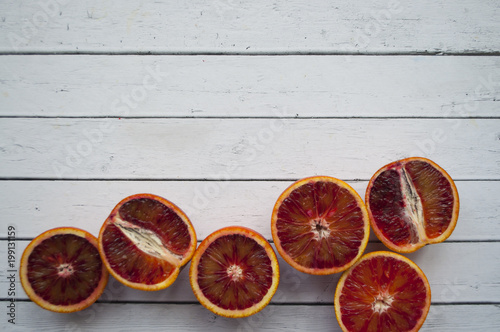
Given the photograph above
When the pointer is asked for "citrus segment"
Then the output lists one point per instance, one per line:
(61, 270)
(412, 202)
(320, 225)
(383, 291)
(234, 272)
(139, 265)
(145, 240)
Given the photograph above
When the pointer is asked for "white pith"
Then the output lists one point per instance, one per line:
(234, 272)
(382, 303)
(65, 270)
(320, 229)
(146, 241)
(413, 205)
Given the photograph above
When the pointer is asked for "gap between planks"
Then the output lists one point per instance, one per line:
(215, 117)
(281, 304)
(272, 242)
(255, 53)
(50, 179)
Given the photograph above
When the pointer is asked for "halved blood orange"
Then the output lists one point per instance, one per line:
(61, 270)
(234, 272)
(145, 241)
(383, 291)
(412, 202)
(320, 225)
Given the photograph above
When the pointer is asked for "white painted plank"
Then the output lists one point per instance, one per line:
(33, 207)
(250, 26)
(242, 86)
(457, 272)
(241, 148)
(194, 317)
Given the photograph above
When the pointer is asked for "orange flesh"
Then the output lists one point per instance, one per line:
(383, 294)
(64, 269)
(320, 225)
(151, 221)
(411, 202)
(234, 272)
(436, 195)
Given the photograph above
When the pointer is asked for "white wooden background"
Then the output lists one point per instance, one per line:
(218, 106)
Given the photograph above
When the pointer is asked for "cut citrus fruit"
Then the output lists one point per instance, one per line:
(234, 272)
(412, 202)
(320, 225)
(61, 270)
(145, 241)
(383, 291)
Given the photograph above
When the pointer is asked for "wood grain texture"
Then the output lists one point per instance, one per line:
(256, 86)
(103, 99)
(194, 317)
(32, 207)
(454, 272)
(384, 26)
(241, 148)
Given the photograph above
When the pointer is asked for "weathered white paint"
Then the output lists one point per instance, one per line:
(242, 148)
(454, 272)
(385, 26)
(249, 86)
(245, 87)
(33, 207)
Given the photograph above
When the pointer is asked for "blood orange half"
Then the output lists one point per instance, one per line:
(412, 202)
(145, 241)
(382, 292)
(320, 225)
(234, 272)
(61, 270)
